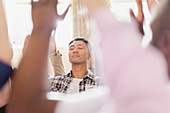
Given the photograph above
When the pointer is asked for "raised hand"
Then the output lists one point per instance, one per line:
(45, 15)
(26, 43)
(52, 46)
(140, 17)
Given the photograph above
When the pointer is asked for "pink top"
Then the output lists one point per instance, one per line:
(137, 77)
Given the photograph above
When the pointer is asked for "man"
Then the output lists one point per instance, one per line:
(29, 98)
(79, 78)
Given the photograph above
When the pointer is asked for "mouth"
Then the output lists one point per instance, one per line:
(74, 56)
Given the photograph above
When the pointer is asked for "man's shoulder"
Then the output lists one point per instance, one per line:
(58, 77)
(97, 80)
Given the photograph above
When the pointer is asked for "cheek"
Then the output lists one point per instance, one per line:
(86, 55)
(69, 55)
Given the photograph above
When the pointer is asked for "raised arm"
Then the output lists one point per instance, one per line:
(132, 73)
(28, 88)
(5, 48)
(56, 57)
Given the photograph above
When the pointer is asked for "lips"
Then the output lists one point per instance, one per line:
(75, 56)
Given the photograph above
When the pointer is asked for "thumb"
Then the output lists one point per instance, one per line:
(64, 14)
(132, 13)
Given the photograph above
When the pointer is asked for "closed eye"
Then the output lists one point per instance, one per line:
(71, 48)
(80, 48)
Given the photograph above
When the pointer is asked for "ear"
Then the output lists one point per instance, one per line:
(89, 55)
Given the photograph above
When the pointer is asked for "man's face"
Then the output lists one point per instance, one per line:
(78, 52)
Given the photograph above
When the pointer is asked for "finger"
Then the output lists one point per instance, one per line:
(55, 48)
(139, 2)
(140, 11)
(26, 42)
(139, 5)
(27, 39)
(64, 14)
(34, 3)
(132, 13)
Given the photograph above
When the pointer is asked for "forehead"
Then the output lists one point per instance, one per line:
(78, 43)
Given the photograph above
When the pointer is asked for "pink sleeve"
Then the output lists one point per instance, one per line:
(137, 77)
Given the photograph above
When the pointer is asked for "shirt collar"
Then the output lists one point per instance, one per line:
(89, 74)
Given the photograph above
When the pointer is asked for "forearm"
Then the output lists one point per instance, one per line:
(45, 106)
(29, 78)
(57, 63)
(5, 48)
(4, 94)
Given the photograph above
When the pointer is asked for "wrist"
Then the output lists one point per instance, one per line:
(42, 31)
(93, 7)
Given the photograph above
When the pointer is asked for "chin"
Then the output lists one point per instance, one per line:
(75, 62)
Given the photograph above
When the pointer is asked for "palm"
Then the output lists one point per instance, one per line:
(44, 14)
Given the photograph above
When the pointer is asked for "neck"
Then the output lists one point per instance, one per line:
(79, 70)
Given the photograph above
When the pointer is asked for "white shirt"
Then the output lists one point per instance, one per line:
(74, 86)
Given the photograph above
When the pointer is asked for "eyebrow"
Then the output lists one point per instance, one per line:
(77, 45)
(81, 45)
(71, 46)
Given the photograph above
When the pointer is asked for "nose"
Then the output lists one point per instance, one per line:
(75, 50)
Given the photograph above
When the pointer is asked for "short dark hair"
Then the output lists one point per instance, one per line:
(82, 39)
